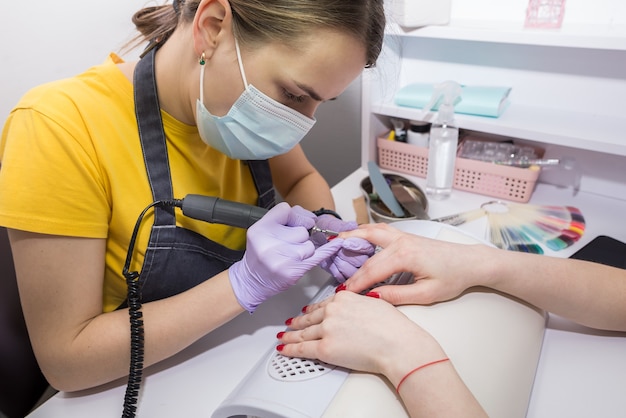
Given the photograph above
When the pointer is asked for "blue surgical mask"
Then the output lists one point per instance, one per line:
(256, 127)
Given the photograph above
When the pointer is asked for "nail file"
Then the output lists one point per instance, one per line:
(383, 190)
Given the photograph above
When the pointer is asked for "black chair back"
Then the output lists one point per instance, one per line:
(21, 380)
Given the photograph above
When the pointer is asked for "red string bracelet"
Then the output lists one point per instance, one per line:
(418, 368)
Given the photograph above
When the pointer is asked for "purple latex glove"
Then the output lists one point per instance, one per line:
(353, 253)
(278, 253)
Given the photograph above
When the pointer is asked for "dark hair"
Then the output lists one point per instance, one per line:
(259, 21)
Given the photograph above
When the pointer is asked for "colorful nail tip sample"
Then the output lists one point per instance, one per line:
(527, 228)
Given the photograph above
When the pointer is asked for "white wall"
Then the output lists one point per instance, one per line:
(42, 40)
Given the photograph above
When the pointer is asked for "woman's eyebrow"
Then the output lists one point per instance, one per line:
(311, 93)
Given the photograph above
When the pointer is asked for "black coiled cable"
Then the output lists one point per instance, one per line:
(135, 373)
(136, 346)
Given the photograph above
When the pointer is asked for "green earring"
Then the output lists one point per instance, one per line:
(202, 60)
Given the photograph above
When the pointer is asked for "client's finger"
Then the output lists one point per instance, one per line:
(307, 349)
(314, 316)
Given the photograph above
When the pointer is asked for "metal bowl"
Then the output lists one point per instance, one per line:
(378, 210)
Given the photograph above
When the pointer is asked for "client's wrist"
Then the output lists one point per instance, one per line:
(420, 349)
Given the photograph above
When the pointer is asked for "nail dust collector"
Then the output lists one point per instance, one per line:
(285, 387)
(494, 343)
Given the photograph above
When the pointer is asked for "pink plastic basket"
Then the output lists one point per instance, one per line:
(510, 183)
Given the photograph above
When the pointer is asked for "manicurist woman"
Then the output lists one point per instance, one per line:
(216, 107)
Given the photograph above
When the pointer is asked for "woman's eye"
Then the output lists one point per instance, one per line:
(293, 97)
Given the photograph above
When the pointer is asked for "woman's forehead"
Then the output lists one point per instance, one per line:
(326, 63)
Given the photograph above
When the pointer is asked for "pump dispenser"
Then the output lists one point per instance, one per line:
(444, 138)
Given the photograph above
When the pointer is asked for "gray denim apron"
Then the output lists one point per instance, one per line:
(177, 259)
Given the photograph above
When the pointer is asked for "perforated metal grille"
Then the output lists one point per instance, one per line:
(291, 369)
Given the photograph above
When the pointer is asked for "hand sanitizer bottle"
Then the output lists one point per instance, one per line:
(444, 138)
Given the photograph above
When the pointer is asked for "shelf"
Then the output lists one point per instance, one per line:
(567, 84)
(609, 37)
(572, 129)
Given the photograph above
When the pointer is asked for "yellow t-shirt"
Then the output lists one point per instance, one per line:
(72, 165)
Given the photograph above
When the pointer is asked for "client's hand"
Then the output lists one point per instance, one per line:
(360, 333)
(278, 253)
(353, 253)
(442, 270)
(370, 335)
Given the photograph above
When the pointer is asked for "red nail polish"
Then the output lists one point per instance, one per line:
(280, 335)
(304, 308)
(341, 287)
(373, 295)
(288, 322)
(280, 347)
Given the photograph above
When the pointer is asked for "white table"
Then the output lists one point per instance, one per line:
(582, 372)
